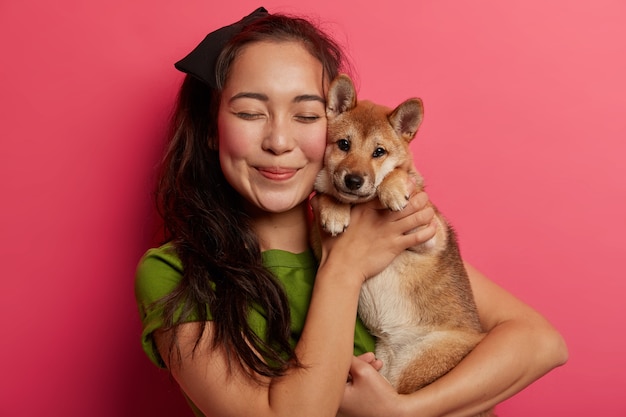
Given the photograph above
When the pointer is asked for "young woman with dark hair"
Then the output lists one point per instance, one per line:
(234, 304)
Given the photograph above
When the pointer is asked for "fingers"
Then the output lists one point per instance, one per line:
(420, 235)
(371, 359)
(389, 232)
(418, 212)
(419, 199)
(363, 364)
(418, 222)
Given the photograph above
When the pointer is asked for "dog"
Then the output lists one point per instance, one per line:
(420, 308)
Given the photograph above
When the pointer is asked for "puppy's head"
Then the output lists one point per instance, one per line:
(366, 141)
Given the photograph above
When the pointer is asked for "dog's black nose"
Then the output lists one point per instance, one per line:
(353, 182)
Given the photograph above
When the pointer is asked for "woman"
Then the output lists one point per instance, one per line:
(235, 306)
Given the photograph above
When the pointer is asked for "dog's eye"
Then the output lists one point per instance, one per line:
(343, 144)
(378, 152)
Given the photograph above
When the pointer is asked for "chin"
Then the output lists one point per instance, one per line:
(279, 205)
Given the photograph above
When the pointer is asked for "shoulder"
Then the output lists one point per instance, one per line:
(158, 273)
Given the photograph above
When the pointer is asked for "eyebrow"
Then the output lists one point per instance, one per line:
(309, 97)
(256, 96)
(265, 98)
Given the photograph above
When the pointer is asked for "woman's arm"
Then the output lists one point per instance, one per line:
(519, 348)
(326, 344)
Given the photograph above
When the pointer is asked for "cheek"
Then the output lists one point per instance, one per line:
(231, 148)
(315, 145)
(232, 141)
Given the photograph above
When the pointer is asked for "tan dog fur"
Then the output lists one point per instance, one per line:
(420, 308)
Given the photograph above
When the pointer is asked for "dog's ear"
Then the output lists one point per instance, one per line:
(407, 117)
(341, 96)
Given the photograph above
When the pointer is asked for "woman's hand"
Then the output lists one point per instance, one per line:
(368, 393)
(376, 235)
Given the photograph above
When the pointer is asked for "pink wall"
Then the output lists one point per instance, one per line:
(523, 147)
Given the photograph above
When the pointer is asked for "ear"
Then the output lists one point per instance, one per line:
(407, 117)
(341, 96)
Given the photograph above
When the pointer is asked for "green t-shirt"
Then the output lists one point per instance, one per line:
(160, 271)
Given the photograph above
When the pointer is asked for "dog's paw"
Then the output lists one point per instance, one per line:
(393, 198)
(335, 221)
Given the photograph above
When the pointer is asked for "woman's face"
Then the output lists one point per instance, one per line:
(272, 124)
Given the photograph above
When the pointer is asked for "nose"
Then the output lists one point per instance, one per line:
(279, 137)
(353, 181)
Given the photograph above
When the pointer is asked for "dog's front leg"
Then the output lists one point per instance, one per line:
(334, 216)
(393, 191)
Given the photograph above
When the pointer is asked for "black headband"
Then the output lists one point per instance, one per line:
(201, 61)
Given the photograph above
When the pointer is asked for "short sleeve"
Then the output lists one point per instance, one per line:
(158, 274)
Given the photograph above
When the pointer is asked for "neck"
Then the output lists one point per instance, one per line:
(287, 231)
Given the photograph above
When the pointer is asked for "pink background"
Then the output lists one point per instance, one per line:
(523, 147)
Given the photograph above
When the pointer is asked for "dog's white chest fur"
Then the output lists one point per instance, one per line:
(382, 303)
(388, 310)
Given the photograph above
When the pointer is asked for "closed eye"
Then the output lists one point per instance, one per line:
(248, 116)
(308, 119)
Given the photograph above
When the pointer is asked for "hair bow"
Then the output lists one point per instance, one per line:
(201, 61)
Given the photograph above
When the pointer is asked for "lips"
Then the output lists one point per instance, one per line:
(277, 173)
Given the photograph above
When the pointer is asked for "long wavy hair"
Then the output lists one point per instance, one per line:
(204, 218)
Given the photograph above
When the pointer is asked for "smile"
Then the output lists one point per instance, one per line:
(277, 173)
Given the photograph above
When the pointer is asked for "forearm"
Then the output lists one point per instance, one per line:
(325, 347)
(513, 354)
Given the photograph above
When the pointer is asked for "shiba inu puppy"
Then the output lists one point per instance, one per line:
(420, 308)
